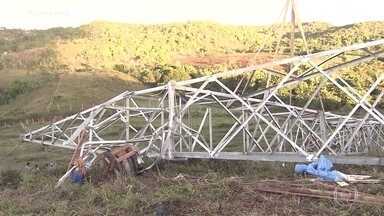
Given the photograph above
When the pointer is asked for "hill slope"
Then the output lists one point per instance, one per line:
(59, 70)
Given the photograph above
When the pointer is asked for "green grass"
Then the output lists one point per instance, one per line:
(81, 72)
(204, 187)
(90, 63)
(63, 94)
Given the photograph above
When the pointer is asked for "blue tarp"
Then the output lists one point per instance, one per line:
(77, 177)
(322, 168)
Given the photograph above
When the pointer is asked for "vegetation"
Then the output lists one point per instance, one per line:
(46, 74)
(194, 187)
(10, 179)
(135, 47)
(17, 87)
(155, 54)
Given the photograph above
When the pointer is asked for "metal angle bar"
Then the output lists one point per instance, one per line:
(142, 114)
(150, 90)
(201, 100)
(152, 118)
(65, 127)
(263, 133)
(261, 136)
(50, 136)
(100, 116)
(210, 129)
(301, 75)
(321, 63)
(181, 137)
(90, 143)
(357, 95)
(229, 103)
(167, 147)
(48, 143)
(277, 73)
(97, 135)
(272, 117)
(298, 118)
(268, 103)
(118, 97)
(285, 61)
(197, 92)
(247, 83)
(298, 130)
(89, 116)
(225, 137)
(200, 128)
(283, 157)
(328, 70)
(112, 117)
(358, 105)
(236, 119)
(317, 90)
(350, 95)
(189, 128)
(133, 108)
(294, 145)
(150, 143)
(255, 112)
(357, 129)
(126, 119)
(198, 99)
(61, 132)
(196, 139)
(126, 93)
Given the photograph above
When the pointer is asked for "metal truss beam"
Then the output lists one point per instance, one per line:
(207, 117)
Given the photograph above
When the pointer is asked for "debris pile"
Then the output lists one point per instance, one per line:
(324, 170)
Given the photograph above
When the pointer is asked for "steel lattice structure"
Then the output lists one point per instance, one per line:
(208, 117)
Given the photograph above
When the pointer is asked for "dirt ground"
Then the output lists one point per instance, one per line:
(238, 59)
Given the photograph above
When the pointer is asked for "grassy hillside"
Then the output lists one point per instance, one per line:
(59, 70)
(47, 74)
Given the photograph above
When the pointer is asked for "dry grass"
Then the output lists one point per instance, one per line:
(195, 187)
(64, 93)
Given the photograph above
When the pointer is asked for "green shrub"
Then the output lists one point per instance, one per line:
(121, 67)
(16, 88)
(151, 53)
(10, 179)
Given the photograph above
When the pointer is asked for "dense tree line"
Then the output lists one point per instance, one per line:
(148, 52)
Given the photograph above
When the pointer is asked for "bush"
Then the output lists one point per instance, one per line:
(121, 67)
(10, 179)
(16, 88)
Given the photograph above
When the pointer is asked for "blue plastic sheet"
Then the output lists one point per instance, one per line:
(322, 168)
(77, 177)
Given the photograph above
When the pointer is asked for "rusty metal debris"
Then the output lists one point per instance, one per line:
(318, 190)
(122, 160)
